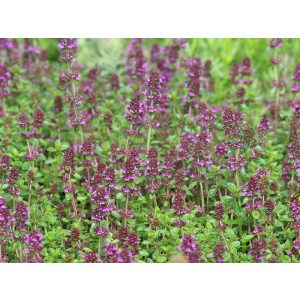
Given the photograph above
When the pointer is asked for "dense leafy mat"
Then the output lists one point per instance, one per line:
(149, 151)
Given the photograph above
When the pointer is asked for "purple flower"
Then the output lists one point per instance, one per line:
(264, 126)
(21, 216)
(296, 78)
(276, 43)
(34, 243)
(87, 148)
(179, 204)
(101, 231)
(190, 248)
(240, 72)
(32, 155)
(168, 165)
(67, 43)
(114, 255)
(257, 184)
(218, 252)
(5, 217)
(257, 249)
(152, 163)
(5, 77)
(156, 101)
(221, 149)
(219, 211)
(136, 63)
(91, 257)
(23, 120)
(38, 118)
(236, 163)
(102, 207)
(132, 166)
(136, 112)
(232, 122)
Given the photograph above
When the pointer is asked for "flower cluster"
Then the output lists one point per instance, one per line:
(34, 243)
(190, 248)
(21, 216)
(136, 63)
(258, 248)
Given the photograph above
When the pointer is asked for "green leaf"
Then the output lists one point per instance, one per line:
(211, 192)
(192, 185)
(144, 253)
(235, 244)
(51, 149)
(286, 259)
(5, 186)
(255, 214)
(76, 175)
(116, 214)
(247, 238)
(226, 198)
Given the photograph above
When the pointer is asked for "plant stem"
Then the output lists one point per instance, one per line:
(149, 138)
(202, 196)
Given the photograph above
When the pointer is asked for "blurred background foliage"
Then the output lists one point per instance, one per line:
(222, 51)
(109, 54)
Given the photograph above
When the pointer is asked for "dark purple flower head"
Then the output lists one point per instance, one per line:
(13, 175)
(168, 165)
(221, 149)
(114, 82)
(152, 163)
(257, 184)
(136, 62)
(91, 257)
(21, 216)
(114, 255)
(102, 207)
(68, 76)
(33, 154)
(179, 204)
(67, 43)
(264, 126)
(258, 230)
(132, 166)
(34, 243)
(58, 104)
(295, 212)
(205, 115)
(76, 99)
(101, 231)
(87, 148)
(69, 157)
(5, 77)
(109, 176)
(156, 101)
(5, 217)
(240, 72)
(218, 252)
(269, 205)
(136, 112)
(235, 164)
(23, 120)
(258, 248)
(219, 211)
(233, 122)
(296, 78)
(190, 248)
(276, 43)
(155, 53)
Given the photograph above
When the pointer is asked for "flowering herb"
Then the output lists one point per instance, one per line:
(160, 155)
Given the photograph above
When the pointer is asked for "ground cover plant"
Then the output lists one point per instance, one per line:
(159, 150)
